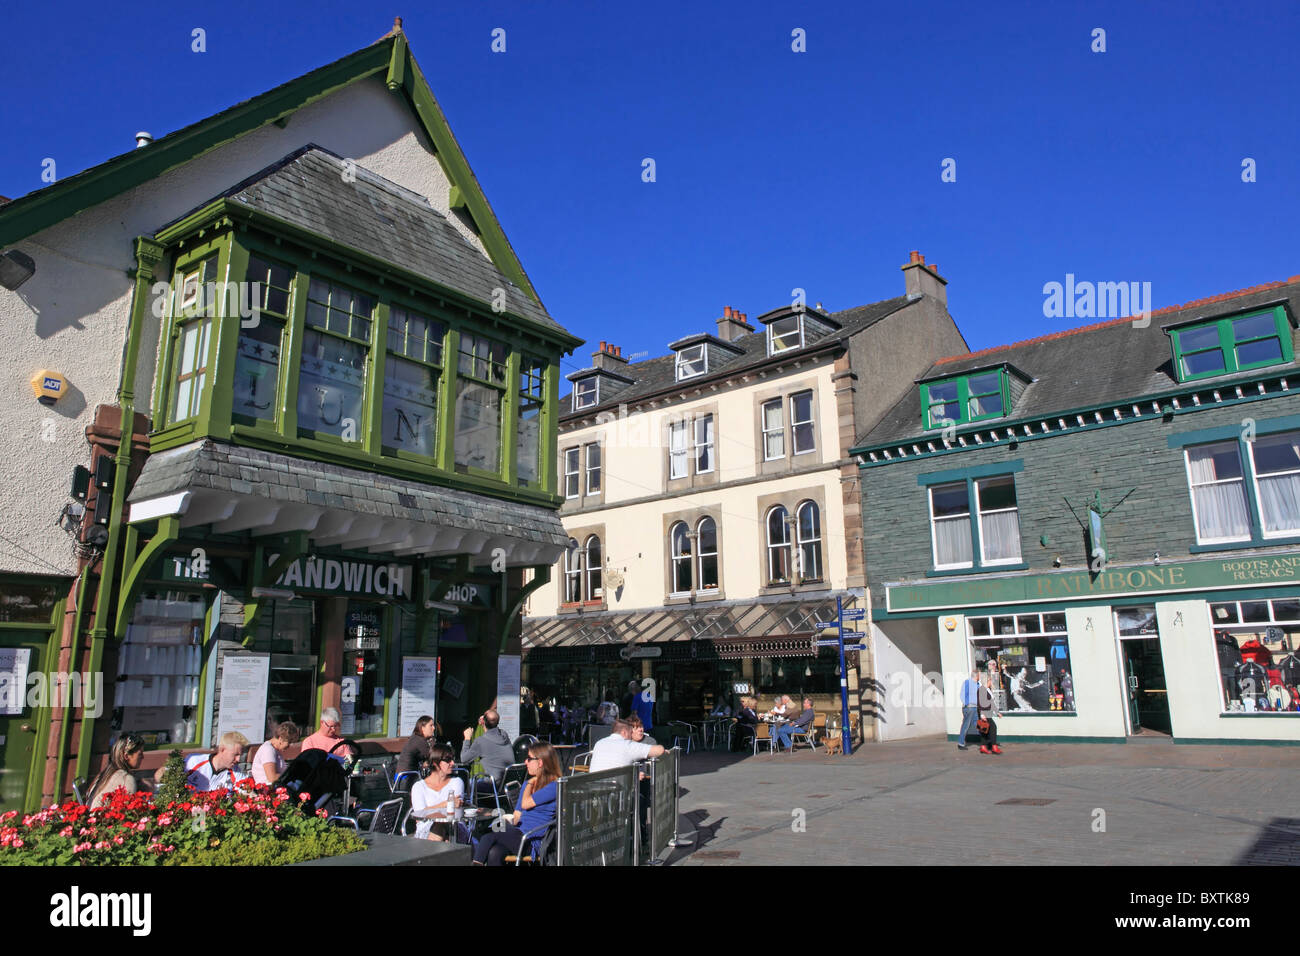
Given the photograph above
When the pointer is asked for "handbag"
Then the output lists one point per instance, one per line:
(982, 725)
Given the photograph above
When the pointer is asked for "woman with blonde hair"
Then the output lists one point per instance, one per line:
(536, 808)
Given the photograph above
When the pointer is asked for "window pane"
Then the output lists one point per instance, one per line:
(943, 392)
(1253, 327)
(593, 469)
(773, 432)
(331, 385)
(952, 545)
(1224, 613)
(986, 383)
(677, 450)
(1253, 612)
(981, 405)
(997, 493)
(979, 626)
(946, 412)
(704, 444)
(1203, 363)
(1261, 350)
(478, 426)
(584, 393)
(801, 423)
(949, 500)
(1277, 453)
(410, 406)
(810, 544)
(571, 473)
(528, 462)
(1193, 339)
(785, 333)
(257, 370)
(690, 361)
(1218, 492)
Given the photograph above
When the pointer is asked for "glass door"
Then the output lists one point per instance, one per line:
(1145, 692)
(21, 654)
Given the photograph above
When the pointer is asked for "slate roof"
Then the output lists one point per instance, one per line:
(657, 374)
(235, 469)
(1109, 362)
(382, 219)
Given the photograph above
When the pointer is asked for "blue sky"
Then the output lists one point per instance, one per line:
(775, 170)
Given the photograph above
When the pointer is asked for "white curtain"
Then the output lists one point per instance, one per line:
(1279, 498)
(677, 450)
(952, 540)
(1000, 535)
(1220, 508)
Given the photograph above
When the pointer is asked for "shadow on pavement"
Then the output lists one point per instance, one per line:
(1278, 844)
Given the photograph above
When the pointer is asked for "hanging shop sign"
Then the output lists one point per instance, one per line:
(469, 595)
(345, 576)
(1115, 581)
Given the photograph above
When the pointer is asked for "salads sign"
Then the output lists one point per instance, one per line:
(346, 576)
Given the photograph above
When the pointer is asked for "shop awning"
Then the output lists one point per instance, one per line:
(765, 627)
(238, 489)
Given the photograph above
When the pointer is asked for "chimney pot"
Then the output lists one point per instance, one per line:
(726, 312)
(917, 257)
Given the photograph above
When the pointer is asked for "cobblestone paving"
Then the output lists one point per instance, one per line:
(924, 802)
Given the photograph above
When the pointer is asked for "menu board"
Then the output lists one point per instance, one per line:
(508, 693)
(244, 680)
(418, 694)
(14, 662)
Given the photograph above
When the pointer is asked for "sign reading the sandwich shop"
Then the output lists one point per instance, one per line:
(1113, 582)
(345, 576)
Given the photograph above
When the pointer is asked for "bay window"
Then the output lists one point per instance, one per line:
(480, 386)
(335, 349)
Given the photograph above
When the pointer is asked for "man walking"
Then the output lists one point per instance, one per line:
(970, 707)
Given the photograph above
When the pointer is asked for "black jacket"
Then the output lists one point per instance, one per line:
(414, 752)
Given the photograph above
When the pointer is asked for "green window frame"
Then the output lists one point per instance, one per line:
(412, 383)
(975, 397)
(1234, 343)
(193, 310)
(269, 291)
(481, 380)
(528, 421)
(334, 365)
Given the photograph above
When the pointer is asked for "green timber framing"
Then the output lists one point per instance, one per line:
(125, 565)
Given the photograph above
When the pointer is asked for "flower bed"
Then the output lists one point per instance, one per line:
(253, 825)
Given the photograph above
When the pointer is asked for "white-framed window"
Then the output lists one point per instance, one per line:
(593, 467)
(677, 466)
(785, 334)
(703, 444)
(586, 392)
(808, 529)
(573, 568)
(706, 537)
(950, 525)
(571, 472)
(999, 518)
(801, 423)
(1276, 460)
(691, 361)
(773, 425)
(1218, 489)
(595, 563)
(778, 546)
(680, 544)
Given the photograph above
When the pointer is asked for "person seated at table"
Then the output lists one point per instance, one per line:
(429, 796)
(220, 769)
(536, 808)
(639, 734)
(119, 773)
(269, 762)
(746, 722)
(722, 708)
(620, 750)
(803, 722)
(331, 723)
(414, 757)
(494, 748)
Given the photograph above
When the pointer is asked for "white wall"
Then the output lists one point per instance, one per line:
(72, 315)
(912, 701)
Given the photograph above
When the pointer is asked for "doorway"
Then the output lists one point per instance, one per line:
(23, 721)
(1145, 691)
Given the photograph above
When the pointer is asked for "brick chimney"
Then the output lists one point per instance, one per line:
(732, 325)
(924, 280)
(608, 358)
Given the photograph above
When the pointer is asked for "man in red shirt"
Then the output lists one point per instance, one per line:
(328, 735)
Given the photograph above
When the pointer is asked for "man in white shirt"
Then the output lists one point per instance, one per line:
(213, 772)
(620, 750)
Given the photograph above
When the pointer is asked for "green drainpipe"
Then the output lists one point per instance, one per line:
(147, 256)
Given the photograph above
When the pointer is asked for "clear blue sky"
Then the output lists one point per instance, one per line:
(775, 169)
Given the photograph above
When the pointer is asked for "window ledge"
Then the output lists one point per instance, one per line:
(982, 569)
(576, 607)
(1240, 545)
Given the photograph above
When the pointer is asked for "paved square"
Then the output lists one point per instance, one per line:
(926, 803)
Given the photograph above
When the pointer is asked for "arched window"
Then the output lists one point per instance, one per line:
(778, 546)
(573, 561)
(810, 541)
(595, 563)
(707, 538)
(680, 544)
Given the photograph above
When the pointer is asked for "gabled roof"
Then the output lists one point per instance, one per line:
(389, 57)
(660, 374)
(1109, 362)
(380, 219)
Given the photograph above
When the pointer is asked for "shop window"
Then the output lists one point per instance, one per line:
(778, 546)
(332, 376)
(1024, 659)
(571, 471)
(363, 685)
(528, 433)
(809, 531)
(480, 386)
(796, 676)
(773, 425)
(27, 601)
(801, 423)
(158, 668)
(257, 362)
(1255, 643)
(287, 631)
(1232, 345)
(996, 527)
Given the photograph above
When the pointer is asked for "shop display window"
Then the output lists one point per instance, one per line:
(362, 704)
(158, 666)
(798, 675)
(287, 631)
(1255, 643)
(1025, 659)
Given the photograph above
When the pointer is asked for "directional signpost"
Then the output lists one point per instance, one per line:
(842, 615)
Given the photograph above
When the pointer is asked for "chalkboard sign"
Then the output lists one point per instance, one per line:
(595, 817)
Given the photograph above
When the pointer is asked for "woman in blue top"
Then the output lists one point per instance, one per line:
(537, 807)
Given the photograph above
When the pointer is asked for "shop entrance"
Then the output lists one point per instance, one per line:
(21, 719)
(1145, 692)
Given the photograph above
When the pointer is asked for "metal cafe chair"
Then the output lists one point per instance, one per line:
(512, 790)
(537, 851)
(480, 787)
(401, 782)
(763, 735)
(679, 730)
(384, 818)
(804, 736)
(581, 762)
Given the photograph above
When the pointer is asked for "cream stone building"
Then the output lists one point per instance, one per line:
(713, 509)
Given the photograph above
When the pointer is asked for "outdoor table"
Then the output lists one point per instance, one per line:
(566, 753)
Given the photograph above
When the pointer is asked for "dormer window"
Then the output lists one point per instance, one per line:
(586, 392)
(692, 361)
(1232, 344)
(969, 398)
(785, 334)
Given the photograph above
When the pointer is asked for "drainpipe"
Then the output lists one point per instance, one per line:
(147, 256)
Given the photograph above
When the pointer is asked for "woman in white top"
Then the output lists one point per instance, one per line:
(429, 797)
(269, 762)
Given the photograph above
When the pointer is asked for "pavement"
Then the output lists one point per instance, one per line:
(1148, 802)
